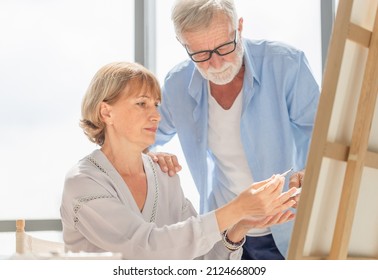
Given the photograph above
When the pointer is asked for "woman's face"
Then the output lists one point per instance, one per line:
(133, 120)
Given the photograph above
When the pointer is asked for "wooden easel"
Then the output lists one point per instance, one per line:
(355, 154)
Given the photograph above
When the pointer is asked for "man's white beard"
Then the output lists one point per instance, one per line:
(227, 72)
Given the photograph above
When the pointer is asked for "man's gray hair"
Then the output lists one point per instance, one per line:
(196, 15)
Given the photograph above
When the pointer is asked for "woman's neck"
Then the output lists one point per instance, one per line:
(129, 164)
(125, 160)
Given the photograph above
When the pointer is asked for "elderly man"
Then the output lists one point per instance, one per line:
(243, 110)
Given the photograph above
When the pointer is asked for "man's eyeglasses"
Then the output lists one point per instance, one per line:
(222, 50)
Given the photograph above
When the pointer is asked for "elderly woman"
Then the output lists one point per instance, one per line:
(118, 200)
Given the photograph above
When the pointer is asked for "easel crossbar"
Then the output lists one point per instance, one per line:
(338, 151)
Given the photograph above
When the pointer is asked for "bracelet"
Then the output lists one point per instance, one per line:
(233, 246)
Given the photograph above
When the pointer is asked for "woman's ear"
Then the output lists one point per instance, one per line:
(105, 113)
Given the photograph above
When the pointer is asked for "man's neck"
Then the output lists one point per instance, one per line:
(226, 94)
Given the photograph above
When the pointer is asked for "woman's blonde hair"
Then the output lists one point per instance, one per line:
(106, 86)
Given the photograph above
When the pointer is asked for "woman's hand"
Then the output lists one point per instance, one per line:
(267, 221)
(260, 199)
(237, 232)
(296, 181)
(168, 163)
(266, 198)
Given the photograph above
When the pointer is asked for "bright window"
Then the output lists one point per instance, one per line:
(49, 51)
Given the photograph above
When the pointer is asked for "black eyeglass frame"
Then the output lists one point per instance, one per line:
(210, 52)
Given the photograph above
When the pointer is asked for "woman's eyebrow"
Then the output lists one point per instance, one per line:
(143, 96)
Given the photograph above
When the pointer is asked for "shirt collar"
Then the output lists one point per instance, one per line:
(250, 66)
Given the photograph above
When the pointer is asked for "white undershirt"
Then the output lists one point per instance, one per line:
(225, 144)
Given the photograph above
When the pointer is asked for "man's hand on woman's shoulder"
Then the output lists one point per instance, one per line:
(168, 162)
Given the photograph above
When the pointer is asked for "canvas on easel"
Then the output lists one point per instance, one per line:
(337, 216)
